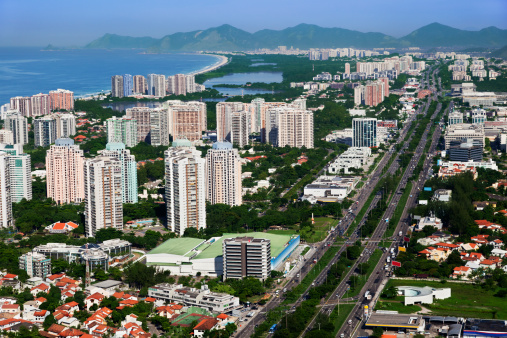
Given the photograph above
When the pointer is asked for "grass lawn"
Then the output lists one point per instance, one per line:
(338, 319)
(305, 250)
(467, 300)
(282, 232)
(321, 227)
(397, 306)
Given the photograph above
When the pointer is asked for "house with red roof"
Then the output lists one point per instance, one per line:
(95, 298)
(42, 287)
(206, 324)
(79, 138)
(40, 315)
(10, 308)
(461, 272)
(70, 307)
(61, 227)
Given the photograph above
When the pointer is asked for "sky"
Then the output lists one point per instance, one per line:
(78, 22)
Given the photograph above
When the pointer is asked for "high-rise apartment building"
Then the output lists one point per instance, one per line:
(103, 195)
(128, 85)
(185, 187)
(156, 85)
(122, 130)
(180, 83)
(223, 175)
(289, 126)
(224, 112)
(17, 123)
(22, 105)
(347, 68)
(41, 105)
(239, 128)
(64, 172)
(6, 136)
(6, 219)
(65, 125)
(159, 130)
(62, 99)
(170, 84)
(246, 257)
(189, 84)
(44, 131)
(117, 86)
(20, 172)
(364, 132)
(35, 264)
(258, 120)
(139, 83)
(142, 116)
(187, 120)
(128, 170)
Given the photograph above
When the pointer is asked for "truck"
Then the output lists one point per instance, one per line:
(367, 294)
(251, 314)
(400, 233)
(315, 261)
(284, 290)
(272, 329)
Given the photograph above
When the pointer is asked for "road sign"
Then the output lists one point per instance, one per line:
(398, 264)
(406, 239)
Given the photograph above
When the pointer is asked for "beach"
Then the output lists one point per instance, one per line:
(222, 61)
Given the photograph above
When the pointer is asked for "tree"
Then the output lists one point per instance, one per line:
(48, 321)
(378, 332)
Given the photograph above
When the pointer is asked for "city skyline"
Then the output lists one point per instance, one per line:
(43, 25)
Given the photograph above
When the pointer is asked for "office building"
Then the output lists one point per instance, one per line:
(35, 264)
(289, 126)
(62, 99)
(458, 132)
(223, 175)
(41, 105)
(128, 170)
(44, 131)
(22, 105)
(128, 85)
(103, 194)
(466, 150)
(478, 116)
(247, 257)
(159, 130)
(185, 187)
(364, 132)
(187, 120)
(17, 123)
(6, 220)
(139, 83)
(65, 125)
(117, 86)
(6, 137)
(20, 173)
(156, 85)
(64, 172)
(143, 122)
(122, 130)
(202, 298)
(455, 117)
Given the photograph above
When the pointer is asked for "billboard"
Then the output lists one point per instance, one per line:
(427, 188)
(398, 264)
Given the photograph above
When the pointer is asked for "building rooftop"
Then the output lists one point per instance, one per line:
(394, 320)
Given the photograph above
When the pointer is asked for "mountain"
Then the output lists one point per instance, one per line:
(304, 36)
(500, 53)
(438, 35)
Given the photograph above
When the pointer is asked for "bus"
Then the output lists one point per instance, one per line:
(272, 329)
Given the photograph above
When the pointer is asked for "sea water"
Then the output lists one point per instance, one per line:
(29, 71)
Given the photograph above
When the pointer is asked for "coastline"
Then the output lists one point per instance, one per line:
(222, 60)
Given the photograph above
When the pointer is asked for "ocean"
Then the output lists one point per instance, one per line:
(29, 71)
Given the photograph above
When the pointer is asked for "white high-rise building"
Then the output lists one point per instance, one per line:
(171, 85)
(190, 83)
(289, 126)
(185, 188)
(258, 119)
(41, 105)
(18, 124)
(6, 219)
(20, 172)
(224, 111)
(6, 136)
(64, 172)
(128, 170)
(44, 131)
(117, 86)
(156, 85)
(364, 132)
(122, 130)
(159, 130)
(223, 175)
(240, 128)
(65, 125)
(103, 195)
(180, 84)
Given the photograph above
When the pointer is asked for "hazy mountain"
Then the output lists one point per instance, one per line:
(438, 35)
(304, 36)
(500, 53)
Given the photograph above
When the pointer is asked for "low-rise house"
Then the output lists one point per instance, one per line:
(95, 298)
(10, 308)
(40, 316)
(499, 253)
(42, 287)
(442, 195)
(136, 331)
(497, 243)
(461, 272)
(480, 205)
(428, 221)
(70, 307)
(206, 324)
(61, 228)
(480, 239)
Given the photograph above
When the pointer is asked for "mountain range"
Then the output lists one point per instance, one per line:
(304, 36)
